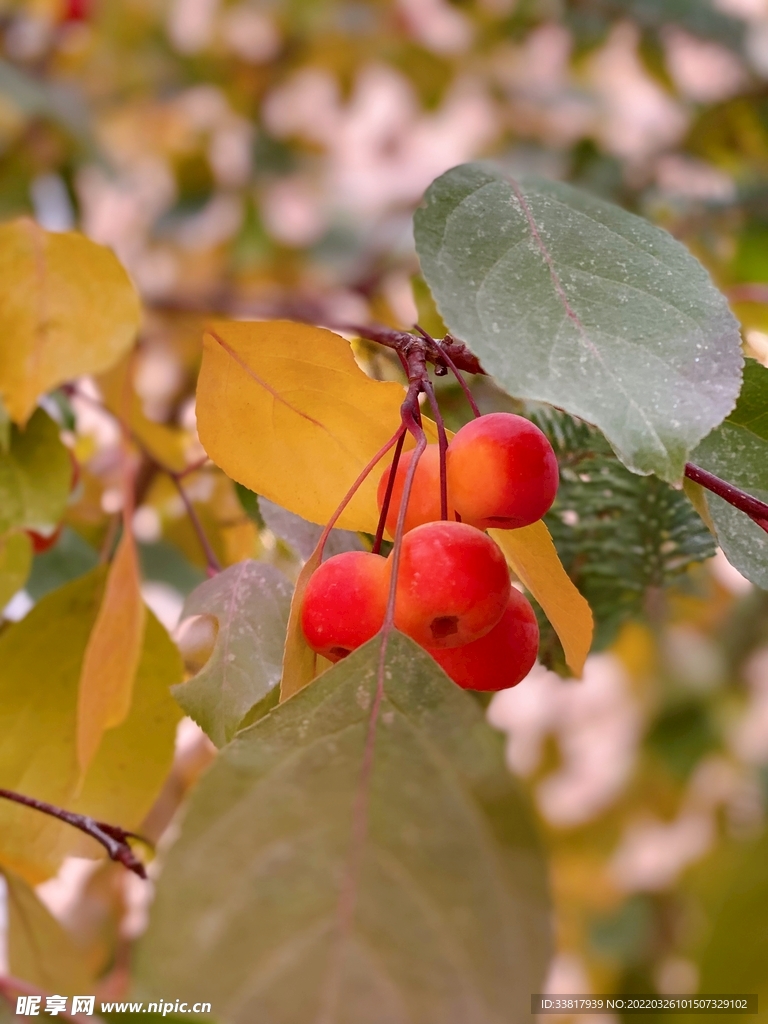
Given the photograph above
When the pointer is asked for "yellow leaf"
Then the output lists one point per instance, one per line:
(531, 553)
(40, 663)
(167, 444)
(67, 308)
(284, 409)
(15, 563)
(40, 950)
(112, 653)
(299, 660)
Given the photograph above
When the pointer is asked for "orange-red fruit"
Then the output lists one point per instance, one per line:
(502, 472)
(499, 659)
(452, 585)
(344, 603)
(424, 503)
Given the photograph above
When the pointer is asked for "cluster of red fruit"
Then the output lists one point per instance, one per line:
(453, 593)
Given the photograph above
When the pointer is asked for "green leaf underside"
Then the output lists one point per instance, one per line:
(450, 921)
(302, 535)
(617, 534)
(738, 452)
(35, 476)
(569, 300)
(251, 602)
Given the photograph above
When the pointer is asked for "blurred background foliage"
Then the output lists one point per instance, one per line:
(263, 159)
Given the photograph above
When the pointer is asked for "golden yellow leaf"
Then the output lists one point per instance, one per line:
(299, 660)
(40, 663)
(531, 553)
(284, 409)
(112, 653)
(164, 443)
(67, 308)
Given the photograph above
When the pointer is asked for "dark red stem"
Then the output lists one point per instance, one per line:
(442, 443)
(112, 837)
(756, 510)
(388, 494)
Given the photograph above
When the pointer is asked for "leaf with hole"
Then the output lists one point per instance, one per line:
(569, 300)
(250, 603)
(351, 859)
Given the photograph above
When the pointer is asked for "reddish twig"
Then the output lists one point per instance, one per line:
(756, 510)
(113, 838)
(388, 494)
(442, 443)
(404, 342)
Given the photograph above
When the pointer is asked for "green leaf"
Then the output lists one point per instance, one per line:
(35, 476)
(617, 534)
(15, 563)
(40, 950)
(699, 17)
(731, 889)
(302, 535)
(40, 661)
(5, 429)
(408, 888)
(738, 452)
(251, 602)
(70, 557)
(569, 300)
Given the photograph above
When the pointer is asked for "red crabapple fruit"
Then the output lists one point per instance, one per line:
(452, 585)
(345, 602)
(499, 659)
(424, 503)
(502, 472)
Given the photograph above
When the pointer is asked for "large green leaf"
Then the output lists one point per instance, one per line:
(35, 475)
(738, 452)
(40, 662)
(731, 889)
(569, 300)
(250, 602)
(310, 880)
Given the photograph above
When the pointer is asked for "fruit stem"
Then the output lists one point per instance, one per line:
(388, 495)
(442, 347)
(442, 442)
(113, 838)
(756, 510)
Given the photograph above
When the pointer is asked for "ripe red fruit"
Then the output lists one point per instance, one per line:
(502, 472)
(43, 541)
(345, 602)
(452, 586)
(424, 503)
(502, 657)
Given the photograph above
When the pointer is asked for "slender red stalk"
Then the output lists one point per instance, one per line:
(442, 443)
(388, 493)
(460, 378)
